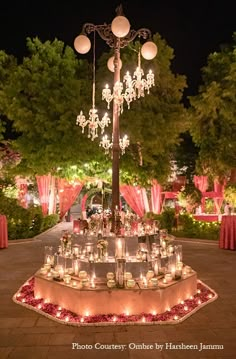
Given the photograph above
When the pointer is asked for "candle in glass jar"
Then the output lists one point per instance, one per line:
(74, 284)
(67, 278)
(82, 274)
(168, 277)
(128, 275)
(130, 283)
(61, 271)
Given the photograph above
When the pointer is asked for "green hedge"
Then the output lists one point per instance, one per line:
(24, 223)
(185, 225)
(188, 227)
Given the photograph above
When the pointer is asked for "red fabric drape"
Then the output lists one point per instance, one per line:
(156, 197)
(134, 197)
(43, 183)
(68, 193)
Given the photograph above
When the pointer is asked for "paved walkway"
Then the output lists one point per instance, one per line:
(25, 334)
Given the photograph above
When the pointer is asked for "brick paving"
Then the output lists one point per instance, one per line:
(25, 334)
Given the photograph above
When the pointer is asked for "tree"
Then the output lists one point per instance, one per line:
(42, 97)
(7, 65)
(45, 93)
(214, 113)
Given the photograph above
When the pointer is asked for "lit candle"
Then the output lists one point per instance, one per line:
(61, 272)
(74, 284)
(150, 274)
(82, 274)
(156, 269)
(154, 282)
(67, 278)
(168, 277)
(130, 283)
(76, 268)
(119, 249)
(145, 282)
(128, 275)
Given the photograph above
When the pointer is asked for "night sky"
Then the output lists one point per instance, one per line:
(193, 29)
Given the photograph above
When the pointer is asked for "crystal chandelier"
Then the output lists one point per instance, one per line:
(93, 121)
(107, 144)
(134, 87)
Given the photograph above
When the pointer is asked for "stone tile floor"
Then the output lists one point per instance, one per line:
(28, 335)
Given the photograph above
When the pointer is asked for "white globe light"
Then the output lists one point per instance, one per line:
(149, 50)
(120, 26)
(82, 44)
(110, 64)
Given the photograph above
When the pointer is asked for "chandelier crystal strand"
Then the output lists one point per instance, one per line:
(107, 144)
(124, 143)
(93, 122)
(134, 87)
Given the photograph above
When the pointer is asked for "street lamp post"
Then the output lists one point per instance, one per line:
(117, 35)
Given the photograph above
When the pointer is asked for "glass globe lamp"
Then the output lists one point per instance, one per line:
(82, 44)
(110, 64)
(120, 26)
(149, 50)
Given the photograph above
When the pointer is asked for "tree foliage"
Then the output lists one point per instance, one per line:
(43, 95)
(214, 113)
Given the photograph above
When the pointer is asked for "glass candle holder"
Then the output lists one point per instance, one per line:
(179, 253)
(76, 266)
(76, 250)
(120, 272)
(120, 250)
(88, 249)
(48, 255)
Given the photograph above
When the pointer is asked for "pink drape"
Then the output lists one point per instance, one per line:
(170, 195)
(201, 182)
(23, 190)
(68, 193)
(156, 197)
(134, 197)
(83, 202)
(219, 190)
(43, 183)
(22, 186)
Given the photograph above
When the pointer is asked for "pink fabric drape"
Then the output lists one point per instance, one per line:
(134, 197)
(201, 182)
(219, 190)
(22, 186)
(83, 202)
(23, 190)
(67, 194)
(156, 197)
(170, 195)
(145, 200)
(43, 183)
(3, 232)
